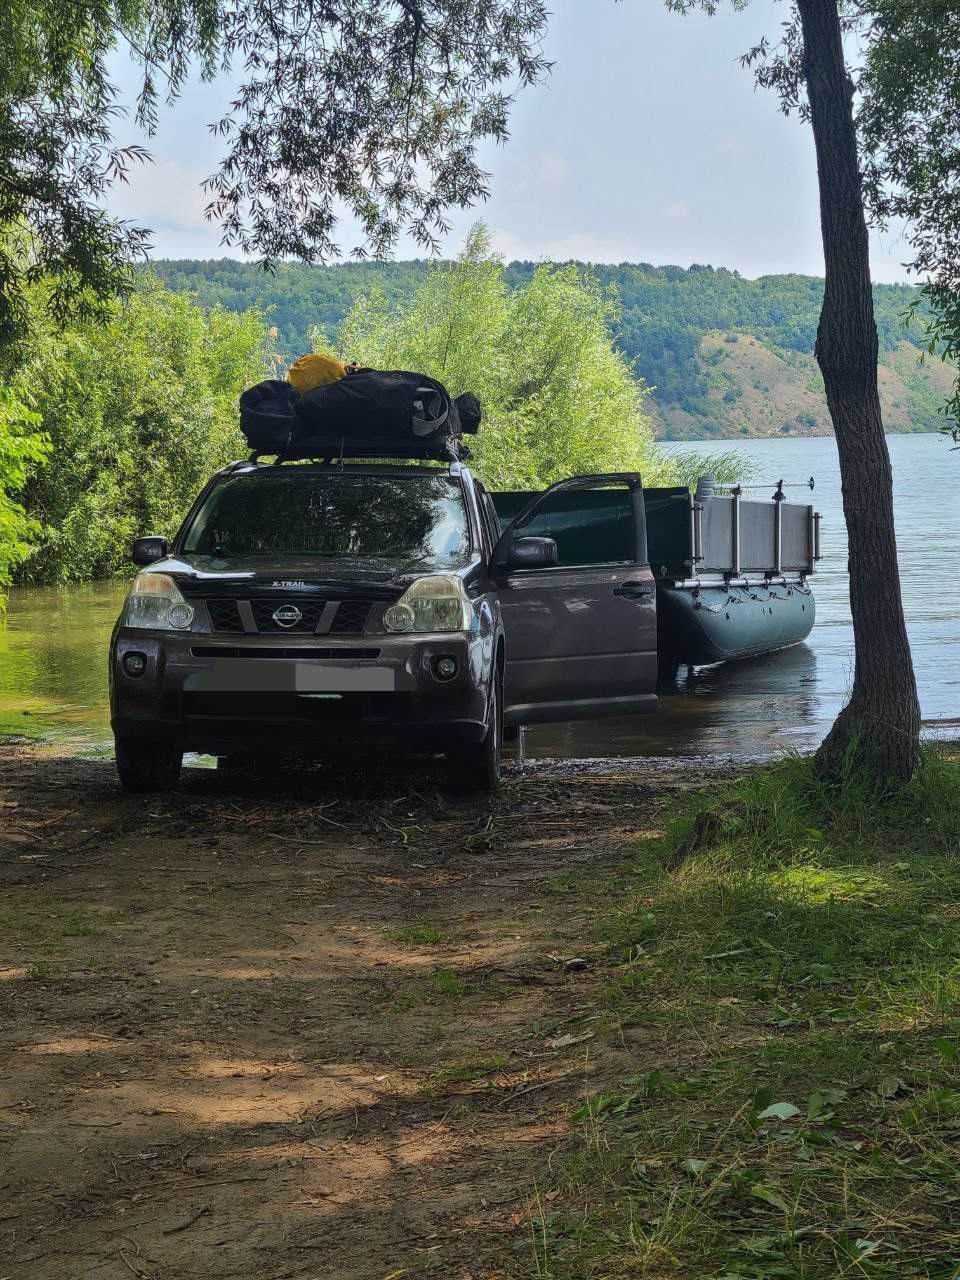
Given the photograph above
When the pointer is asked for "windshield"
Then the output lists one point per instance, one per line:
(419, 517)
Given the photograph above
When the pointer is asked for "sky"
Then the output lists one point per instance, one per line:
(647, 143)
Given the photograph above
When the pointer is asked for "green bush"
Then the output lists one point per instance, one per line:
(558, 398)
(23, 447)
(139, 411)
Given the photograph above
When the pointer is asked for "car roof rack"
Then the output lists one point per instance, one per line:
(452, 449)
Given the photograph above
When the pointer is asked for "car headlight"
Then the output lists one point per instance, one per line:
(155, 603)
(436, 603)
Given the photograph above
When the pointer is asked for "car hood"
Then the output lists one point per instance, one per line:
(258, 573)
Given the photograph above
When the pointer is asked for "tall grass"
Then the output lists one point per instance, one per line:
(727, 466)
(790, 993)
(788, 810)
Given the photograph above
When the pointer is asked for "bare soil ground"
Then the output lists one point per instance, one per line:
(320, 1026)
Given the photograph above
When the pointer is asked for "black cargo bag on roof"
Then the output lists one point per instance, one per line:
(468, 410)
(368, 413)
(267, 415)
(379, 411)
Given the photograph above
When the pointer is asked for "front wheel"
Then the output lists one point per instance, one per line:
(147, 766)
(476, 769)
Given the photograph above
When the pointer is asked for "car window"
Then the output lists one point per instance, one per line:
(589, 526)
(420, 518)
(493, 520)
(488, 514)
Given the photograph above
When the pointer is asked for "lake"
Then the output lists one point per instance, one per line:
(53, 646)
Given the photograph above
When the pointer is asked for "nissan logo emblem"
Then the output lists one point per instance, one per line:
(288, 615)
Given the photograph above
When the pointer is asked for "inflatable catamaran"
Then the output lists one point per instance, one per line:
(732, 573)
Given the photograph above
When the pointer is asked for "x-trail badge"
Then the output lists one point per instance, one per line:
(288, 615)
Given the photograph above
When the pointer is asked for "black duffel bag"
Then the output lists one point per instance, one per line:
(468, 411)
(374, 408)
(267, 415)
(367, 413)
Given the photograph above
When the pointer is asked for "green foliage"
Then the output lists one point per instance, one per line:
(421, 934)
(58, 159)
(466, 1071)
(726, 467)
(298, 298)
(136, 411)
(23, 447)
(558, 398)
(910, 134)
(139, 410)
(789, 806)
(659, 322)
(372, 108)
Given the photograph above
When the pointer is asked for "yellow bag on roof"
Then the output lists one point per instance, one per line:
(316, 370)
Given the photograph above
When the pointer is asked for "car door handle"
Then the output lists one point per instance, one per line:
(634, 590)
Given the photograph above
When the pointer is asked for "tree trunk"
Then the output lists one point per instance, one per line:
(880, 726)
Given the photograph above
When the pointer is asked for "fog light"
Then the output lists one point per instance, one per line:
(134, 664)
(445, 667)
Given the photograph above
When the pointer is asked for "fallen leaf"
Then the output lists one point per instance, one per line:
(890, 1086)
(770, 1195)
(564, 1042)
(867, 1247)
(779, 1111)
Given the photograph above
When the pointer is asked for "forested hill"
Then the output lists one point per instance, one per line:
(727, 356)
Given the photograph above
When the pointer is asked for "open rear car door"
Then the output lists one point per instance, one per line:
(580, 625)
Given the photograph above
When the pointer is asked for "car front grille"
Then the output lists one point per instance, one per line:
(351, 617)
(348, 618)
(310, 611)
(282, 652)
(259, 708)
(225, 615)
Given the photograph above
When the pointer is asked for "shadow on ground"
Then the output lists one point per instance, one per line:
(313, 1025)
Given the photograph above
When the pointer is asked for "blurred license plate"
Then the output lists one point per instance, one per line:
(332, 679)
(237, 675)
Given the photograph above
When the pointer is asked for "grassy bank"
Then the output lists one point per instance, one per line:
(786, 968)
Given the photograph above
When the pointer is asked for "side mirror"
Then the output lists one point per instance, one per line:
(147, 550)
(532, 553)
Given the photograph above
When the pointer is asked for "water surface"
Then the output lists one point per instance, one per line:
(53, 646)
(789, 700)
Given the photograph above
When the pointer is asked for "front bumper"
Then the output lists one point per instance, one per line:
(312, 697)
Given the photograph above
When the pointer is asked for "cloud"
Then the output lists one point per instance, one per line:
(549, 171)
(165, 195)
(586, 246)
(677, 211)
(731, 148)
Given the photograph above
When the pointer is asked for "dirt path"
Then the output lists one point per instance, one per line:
(317, 1027)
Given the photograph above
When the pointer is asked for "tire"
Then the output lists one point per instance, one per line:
(147, 766)
(475, 770)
